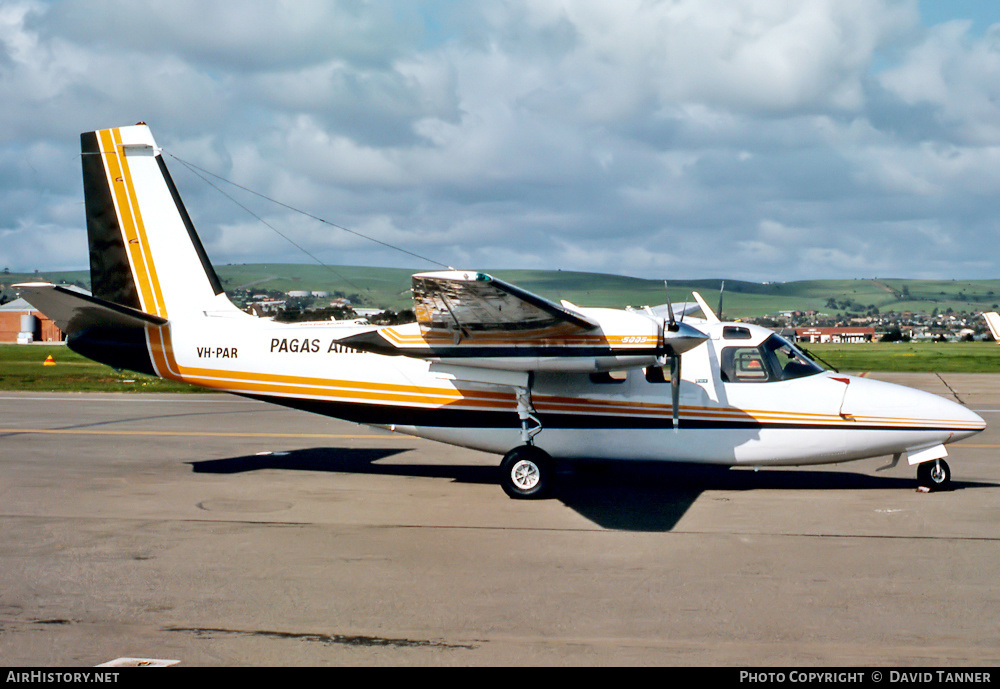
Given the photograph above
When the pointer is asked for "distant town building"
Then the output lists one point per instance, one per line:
(264, 307)
(835, 334)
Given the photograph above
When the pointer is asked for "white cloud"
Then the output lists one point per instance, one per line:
(756, 139)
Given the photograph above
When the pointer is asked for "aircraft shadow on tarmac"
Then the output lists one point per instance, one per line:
(627, 496)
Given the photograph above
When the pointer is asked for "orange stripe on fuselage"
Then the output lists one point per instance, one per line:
(411, 395)
(166, 365)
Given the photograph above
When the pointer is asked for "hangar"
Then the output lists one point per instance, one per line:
(22, 323)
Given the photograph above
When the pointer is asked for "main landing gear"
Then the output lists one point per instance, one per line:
(934, 475)
(527, 471)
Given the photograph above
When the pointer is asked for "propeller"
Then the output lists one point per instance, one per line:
(677, 339)
(675, 390)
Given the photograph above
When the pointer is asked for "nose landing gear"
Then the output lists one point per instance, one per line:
(934, 475)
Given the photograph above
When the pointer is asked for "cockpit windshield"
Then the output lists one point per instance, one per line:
(773, 360)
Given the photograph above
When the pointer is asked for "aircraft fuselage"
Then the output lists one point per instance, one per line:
(756, 419)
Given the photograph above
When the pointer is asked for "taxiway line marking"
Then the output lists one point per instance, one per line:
(211, 434)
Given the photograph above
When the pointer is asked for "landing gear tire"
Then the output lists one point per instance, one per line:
(934, 475)
(526, 472)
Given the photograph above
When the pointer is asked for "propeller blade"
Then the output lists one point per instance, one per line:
(675, 390)
(722, 289)
(672, 322)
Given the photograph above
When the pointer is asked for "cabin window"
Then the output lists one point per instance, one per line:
(735, 332)
(659, 374)
(774, 359)
(656, 374)
(609, 377)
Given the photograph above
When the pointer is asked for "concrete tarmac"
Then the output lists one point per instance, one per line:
(218, 531)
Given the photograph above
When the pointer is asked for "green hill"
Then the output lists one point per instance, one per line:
(389, 288)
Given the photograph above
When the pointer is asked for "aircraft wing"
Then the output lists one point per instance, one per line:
(75, 311)
(474, 319)
(469, 302)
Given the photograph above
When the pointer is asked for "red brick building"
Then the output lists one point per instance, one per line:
(20, 314)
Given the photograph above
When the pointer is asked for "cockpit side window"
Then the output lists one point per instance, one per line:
(744, 365)
(774, 359)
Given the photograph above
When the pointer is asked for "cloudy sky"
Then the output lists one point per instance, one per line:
(743, 139)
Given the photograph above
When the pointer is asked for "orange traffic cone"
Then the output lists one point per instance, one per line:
(49, 361)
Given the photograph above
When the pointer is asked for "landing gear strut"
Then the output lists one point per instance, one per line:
(526, 471)
(530, 425)
(934, 475)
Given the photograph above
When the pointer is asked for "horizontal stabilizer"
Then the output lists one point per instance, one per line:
(75, 311)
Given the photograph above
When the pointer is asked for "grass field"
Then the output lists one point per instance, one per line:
(924, 357)
(22, 366)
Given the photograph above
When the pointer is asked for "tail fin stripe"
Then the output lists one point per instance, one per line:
(151, 280)
(145, 252)
(133, 243)
(110, 274)
(158, 355)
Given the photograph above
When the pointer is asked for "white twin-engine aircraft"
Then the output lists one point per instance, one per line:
(487, 365)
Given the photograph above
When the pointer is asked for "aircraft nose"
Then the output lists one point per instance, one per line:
(891, 406)
(958, 418)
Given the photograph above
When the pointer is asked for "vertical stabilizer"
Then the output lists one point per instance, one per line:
(144, 251)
